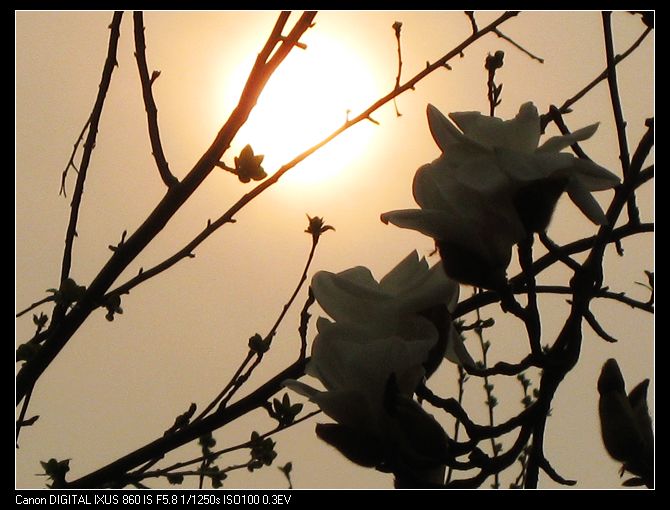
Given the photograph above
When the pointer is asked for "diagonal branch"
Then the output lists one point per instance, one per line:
(89, 144)
(149, 103)
(565, 107)
(176, 196)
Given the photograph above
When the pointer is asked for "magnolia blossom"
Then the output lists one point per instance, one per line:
(493, 186)
(371, 359)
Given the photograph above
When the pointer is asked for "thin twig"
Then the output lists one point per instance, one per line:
(35, 305)
(532, 316)
(70, 162)
(242, 378)
(565, 107)
(491, 401)
(396, 28)
(192, 431)
(595, 325)
(473, 22)
(620, 121)
(548, 468)
(558, 251)
(462, 377)
(22, 415)
(226, 388)
(557, 117)
(149, 103)
(517, 46)
(94, 121)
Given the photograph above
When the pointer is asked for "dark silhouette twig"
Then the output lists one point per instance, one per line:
(89, 144)
(149, 103)
(565, 107)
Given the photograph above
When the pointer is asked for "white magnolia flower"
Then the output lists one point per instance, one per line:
(380, 309)
(492, 186)
(378, 343)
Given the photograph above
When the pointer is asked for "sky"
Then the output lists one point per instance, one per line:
(117, 385)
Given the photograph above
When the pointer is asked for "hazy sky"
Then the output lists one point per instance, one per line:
(119, 385)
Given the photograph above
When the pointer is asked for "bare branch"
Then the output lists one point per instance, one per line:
(149, 103)
(473, 22)
(565, 107)
(93, 122)
(595, 325)
(517, 46)
(70, 163)
(396, 28)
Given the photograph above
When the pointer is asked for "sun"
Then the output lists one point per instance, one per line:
(312, 93)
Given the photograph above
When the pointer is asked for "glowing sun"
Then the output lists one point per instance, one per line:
(311, 94)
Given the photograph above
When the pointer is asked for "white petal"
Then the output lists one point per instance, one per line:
(587, 204)
(302, 388)
(523, 132)
(456, 351)
(481, 173)
(405, 275)
(518, 166)
(560, 142)
(352, 296)
(593, 177)
(431, 222)
(434, 288)
(444, 132)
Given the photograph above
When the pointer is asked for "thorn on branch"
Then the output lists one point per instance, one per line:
(123, 239)
(154, 77)
(619, 247)
(372, 120)
(298, 44)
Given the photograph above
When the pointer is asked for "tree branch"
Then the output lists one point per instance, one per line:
(89, 144)
(149, 103)
(167, 207)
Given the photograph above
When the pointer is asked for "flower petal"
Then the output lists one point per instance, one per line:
(583, 199)
(456, 351)
(434, 223)
(593, 177)
(560, 142)
(353, 296)
(444, 132)
(404, 275)
(521, 133)
(435, 287)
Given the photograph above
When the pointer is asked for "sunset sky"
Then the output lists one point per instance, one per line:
(118, 385)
